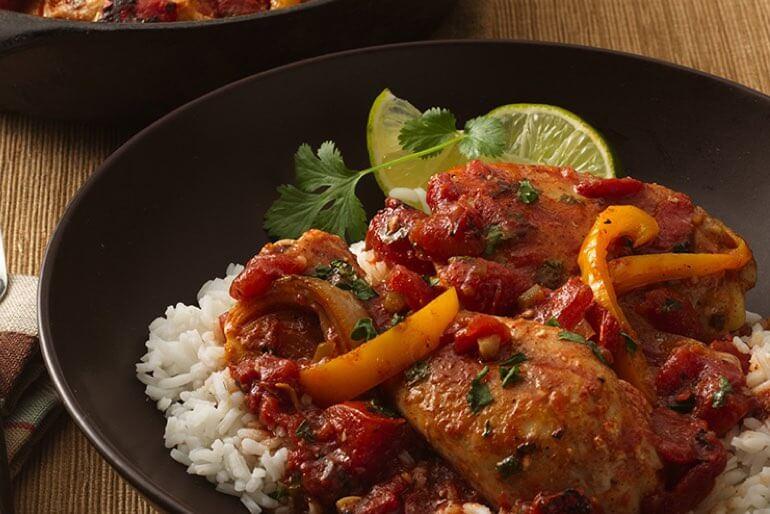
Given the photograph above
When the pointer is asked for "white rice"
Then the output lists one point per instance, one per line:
(208, 427)
(744, 486)
(210, 431)
(375, 270)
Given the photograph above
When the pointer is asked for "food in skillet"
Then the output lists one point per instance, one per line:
(143, 11)
(539, 341)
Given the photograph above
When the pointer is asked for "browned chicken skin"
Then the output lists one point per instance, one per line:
(569, 422)
(566, 429)
(539, 241)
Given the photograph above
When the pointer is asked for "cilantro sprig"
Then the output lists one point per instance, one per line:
(324, 193)
(719, 398)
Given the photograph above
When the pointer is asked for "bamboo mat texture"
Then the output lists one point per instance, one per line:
(43, 163)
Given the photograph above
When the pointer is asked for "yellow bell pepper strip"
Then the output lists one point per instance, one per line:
(637, 271)
(368, 365)
(608, 279)
(614, 222)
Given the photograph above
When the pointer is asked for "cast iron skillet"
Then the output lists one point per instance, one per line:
(111, 72)
(186, 196)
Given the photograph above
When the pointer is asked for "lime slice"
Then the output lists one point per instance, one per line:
(386, 117)
(537, 134)
(545, 134)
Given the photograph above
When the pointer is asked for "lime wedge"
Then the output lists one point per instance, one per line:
(546, 134)
(537, 134)
(386, 117)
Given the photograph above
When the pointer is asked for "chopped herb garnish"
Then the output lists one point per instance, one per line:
(683, 406)
(683, 247)
(396, 319)
(324, 196)
(516, 358)
(417, 373)
(377, 407)
(281, 492)
(550, 274)
(631, 345)
(487, 429)
(566, 335)
(527, 192)
(509, 369)
(671, 305)
(508, 466)
(363, 330)
(492, 239)
(552, 322)
(569, 199)
(341, 274)
(720, 397)
(304, 431)
(431, 281)
(510, 376)
(479, 395)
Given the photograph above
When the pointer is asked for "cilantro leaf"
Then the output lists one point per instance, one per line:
(281, 492)
(527, 193)
(552, 322)
(631, 345)
(493, 237)
(719, 398)
(324, 194)
(324, 197)
(431, 281)
(509, 369)
(380, 408)
(417, 373)
(304, 431)
(396, 319)
(363, 330)
(479, 395)
(566, 335)
(434, 127)
(484, 137)
(341, 274)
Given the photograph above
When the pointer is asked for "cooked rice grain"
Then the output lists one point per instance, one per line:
(744, 486)
(208, 428)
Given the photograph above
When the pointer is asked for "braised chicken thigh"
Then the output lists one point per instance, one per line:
(562, 380)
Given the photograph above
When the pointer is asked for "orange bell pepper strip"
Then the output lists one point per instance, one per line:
(375, 361)
(614, 222)
(637, 271)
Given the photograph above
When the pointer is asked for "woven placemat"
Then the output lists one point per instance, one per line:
(43, 163)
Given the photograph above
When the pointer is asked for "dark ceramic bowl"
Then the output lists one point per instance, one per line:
(113, 71)
(186, 196)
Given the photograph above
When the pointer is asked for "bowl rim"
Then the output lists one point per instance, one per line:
(117, 460)
(41, 23)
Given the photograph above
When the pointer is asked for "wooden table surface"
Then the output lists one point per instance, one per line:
(43, 163)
